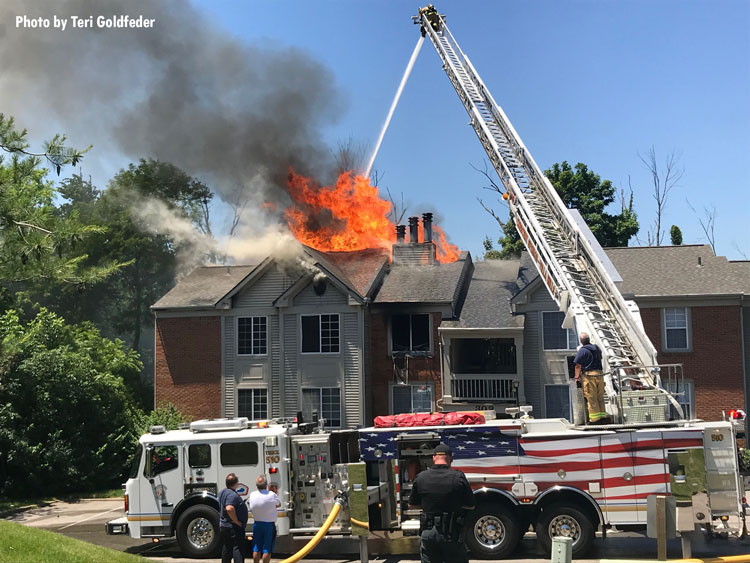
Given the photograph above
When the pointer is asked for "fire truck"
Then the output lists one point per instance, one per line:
(561, 478)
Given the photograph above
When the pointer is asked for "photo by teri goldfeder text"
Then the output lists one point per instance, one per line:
(77, 22)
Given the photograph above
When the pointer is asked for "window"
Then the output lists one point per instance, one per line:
(483, 355)
(326, 401)
(410, 333)
(676, 334)
(684, 393)
(416, 397)
(163, 458)
(252, 403)
(199, 455)
(556, 338)
(320, 334)
(252, 335)
(557, 401)
(239, 453)
(136, 463)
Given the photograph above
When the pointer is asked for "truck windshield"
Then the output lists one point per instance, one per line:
(135, 464)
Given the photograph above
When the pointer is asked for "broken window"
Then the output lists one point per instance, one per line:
(320, 334)
(410, 333)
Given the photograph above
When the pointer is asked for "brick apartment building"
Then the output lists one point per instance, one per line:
(358, 334)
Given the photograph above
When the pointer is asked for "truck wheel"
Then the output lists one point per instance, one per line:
(198, 531)
(565, 521)
(491, 531)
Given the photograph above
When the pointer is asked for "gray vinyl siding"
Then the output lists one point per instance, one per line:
(531, 359)
(229, 359)
(291, 393)
(352, 351)
(275, 353)
(263, 291)
(366, 367)
(332, 296)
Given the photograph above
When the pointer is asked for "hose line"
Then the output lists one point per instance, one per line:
(309, 546)
(360, 523)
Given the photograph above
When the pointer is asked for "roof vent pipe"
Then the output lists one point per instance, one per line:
(427, 224)
(400, 234)
(413, 229)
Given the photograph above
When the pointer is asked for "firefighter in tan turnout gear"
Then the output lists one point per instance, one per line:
(588, 363)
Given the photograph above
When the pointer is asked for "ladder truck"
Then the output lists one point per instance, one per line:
(571, 264)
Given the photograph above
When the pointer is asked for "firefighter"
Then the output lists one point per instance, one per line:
(432, 16)
(588, 363)
(444, 495)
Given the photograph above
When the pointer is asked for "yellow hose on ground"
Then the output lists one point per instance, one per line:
(360, 523)
(309, 546)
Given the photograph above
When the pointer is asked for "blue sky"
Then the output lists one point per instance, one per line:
(584, 81)
(592, 81)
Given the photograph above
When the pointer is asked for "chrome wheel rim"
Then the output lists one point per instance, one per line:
(489, 531)
(565, 526)
(200, 533)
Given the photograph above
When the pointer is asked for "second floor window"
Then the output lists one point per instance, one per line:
(410, 333)
(556, 337)
(676, 332)
(252, 335)
(320, 334)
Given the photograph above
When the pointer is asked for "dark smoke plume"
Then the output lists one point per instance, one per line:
(233, 114)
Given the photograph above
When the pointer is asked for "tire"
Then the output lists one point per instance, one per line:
(491, 531)
(198, 532)
(566, 521)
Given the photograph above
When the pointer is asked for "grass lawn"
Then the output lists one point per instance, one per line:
(17, 503)
(20, 544)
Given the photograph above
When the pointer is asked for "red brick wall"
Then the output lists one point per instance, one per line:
(187, 365)
(715, 362)
(381, 364)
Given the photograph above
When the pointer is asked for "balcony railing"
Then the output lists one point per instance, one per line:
(482, 388)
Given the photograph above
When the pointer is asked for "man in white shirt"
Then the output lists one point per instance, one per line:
(263, 504)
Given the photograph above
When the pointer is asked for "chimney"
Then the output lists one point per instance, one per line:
(400, 234)
(413, 230)
(427, 224)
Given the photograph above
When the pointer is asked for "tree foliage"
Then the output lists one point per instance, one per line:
(581, 189)
(67, 419)
(675, 235)
(35, 242)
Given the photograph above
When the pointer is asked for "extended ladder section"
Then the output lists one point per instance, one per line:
(567, 263)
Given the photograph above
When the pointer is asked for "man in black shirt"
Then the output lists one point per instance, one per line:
(444, 495)
(588, 363)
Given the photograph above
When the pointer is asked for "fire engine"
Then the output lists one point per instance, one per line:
(560, 478)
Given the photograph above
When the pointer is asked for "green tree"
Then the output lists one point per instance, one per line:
(67, 419)
(675, 235)
(35, 242)
(581, 189)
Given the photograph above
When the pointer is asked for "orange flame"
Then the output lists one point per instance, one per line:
(349, 215)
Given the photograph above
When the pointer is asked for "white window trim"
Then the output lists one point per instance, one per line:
(252, 388)
(688, 331)
(320, 406)
(428, 353)
(571, 399)
(429, 384)
(575, 336)
(237, 335)
(320, 337)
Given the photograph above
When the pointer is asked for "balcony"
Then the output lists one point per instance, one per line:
(483, 388)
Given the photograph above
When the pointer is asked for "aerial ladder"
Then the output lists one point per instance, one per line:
(574, 275)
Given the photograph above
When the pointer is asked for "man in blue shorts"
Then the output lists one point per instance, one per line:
(263, 504)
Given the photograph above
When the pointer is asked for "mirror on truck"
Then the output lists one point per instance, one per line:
(148, 469)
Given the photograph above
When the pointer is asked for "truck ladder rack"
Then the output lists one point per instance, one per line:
(566, 261)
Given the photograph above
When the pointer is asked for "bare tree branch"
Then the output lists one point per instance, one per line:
(707, 223)
(662, 187)
(396, 214)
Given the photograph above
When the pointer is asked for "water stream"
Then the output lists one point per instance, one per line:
(407, 72)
